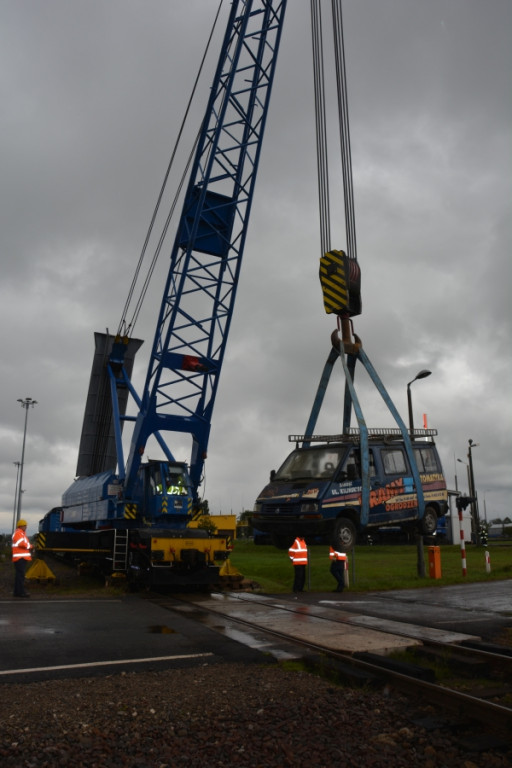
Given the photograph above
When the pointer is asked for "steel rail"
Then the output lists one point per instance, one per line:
(482, 651)
(496, 717)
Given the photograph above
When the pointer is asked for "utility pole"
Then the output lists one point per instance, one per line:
(420, 566)
(26, 404)
(421, 375)
(17, 464)
(472, 492)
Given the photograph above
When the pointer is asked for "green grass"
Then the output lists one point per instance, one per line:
(371, 568)
(374, 568)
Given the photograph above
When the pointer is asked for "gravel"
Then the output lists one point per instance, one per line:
(216, 715)
(225, 715)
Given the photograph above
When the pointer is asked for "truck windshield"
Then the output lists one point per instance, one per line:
(316, 463)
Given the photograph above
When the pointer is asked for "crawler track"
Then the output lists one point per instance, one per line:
(471, 681)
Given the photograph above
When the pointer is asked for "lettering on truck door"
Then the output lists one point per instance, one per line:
(393, 497)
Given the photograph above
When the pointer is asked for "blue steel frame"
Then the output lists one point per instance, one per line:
(351, 399)
(199, 295)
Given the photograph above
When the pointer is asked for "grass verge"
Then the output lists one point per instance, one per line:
(371, 568)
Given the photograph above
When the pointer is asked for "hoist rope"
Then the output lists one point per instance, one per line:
(320, 123)
(125, 328)
(321, 127)
(346, 154)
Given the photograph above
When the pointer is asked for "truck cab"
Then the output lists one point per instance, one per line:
(317, 491)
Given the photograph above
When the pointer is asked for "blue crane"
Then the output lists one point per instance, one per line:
(133, 514)
(199, 296)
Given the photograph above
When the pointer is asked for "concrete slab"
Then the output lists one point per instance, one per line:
(308, 623)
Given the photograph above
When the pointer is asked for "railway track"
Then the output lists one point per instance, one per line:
(470, 680)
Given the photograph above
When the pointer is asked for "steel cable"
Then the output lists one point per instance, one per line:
(123, 327)
(346, 153)
(321, 127)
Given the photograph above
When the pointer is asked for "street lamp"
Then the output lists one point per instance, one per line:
(17, 464)
(421, 375)
(472, 492)
(419, 538)
(485, 505)
(467, 470)
(26, 404)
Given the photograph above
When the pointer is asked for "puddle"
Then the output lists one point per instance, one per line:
(161, 629)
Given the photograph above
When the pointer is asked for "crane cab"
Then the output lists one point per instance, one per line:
(166, 491)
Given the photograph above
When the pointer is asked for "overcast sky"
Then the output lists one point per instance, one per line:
(92, 94)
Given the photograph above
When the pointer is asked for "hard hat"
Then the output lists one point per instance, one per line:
(22, 523)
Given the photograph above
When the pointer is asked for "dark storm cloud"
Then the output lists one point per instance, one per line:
(93, 93)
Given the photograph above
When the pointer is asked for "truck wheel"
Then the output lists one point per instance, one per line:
(428, 524)
(344, 534)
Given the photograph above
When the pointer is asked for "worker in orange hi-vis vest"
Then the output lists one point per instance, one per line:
(338, 563)
(21, 554)
(298, 553)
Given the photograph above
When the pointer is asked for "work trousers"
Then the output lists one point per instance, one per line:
(338, 571)
(20, 566)
(299, 578)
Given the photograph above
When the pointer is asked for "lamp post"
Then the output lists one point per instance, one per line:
(467, 471)
(472, 492)
(419, 538)
(485, 505)
(17, 464)
(421, 375)
(26, 404)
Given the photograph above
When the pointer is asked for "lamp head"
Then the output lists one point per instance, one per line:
(421, 375)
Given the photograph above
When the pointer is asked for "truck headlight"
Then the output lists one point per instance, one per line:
(308, 509)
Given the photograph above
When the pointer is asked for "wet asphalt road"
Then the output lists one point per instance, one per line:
(41, 639)
(481, 609)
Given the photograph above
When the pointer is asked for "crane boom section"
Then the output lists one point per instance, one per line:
(199, 295)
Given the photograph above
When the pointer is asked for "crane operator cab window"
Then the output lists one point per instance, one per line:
(175, 483)
(167, 481)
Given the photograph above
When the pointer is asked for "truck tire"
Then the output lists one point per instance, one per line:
(344, 534)
(428, 524)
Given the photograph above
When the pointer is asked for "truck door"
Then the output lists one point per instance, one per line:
(392, 498)
(350, 476)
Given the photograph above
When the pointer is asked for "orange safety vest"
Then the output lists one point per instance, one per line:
(335, 555)
(21, 545)
(298, 552)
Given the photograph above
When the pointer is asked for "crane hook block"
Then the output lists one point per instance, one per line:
(340, 278)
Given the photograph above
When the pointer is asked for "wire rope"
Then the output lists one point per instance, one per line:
(125, 328)
(321, 127)
(343, 117)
